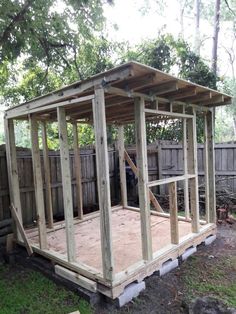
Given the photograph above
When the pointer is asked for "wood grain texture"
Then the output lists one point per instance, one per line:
(66, 183)
(103, 182)
(38, 182)
(144, 201)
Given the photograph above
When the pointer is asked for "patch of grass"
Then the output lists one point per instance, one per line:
(24, 292)
(211, 277)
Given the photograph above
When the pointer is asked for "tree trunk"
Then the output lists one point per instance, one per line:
(215, 36)
(197, 26)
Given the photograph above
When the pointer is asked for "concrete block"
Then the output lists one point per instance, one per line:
(188, 253)
(168, 266)
(210, 239)
(130, 292)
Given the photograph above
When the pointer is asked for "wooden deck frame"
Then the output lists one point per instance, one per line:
(138, 105)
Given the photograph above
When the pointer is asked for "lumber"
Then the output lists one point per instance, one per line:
(174, 226)
(38, 182)
(10, 241)
(76, 278)
(135, 171)
(206, 170)
(211, 166)
(121, 152)
(78, 177)
(103, 183)
(12, 169)
(66, 183)
(21, 229)
(144, 201)
(185, 164)
(193, 170)
(171, 179)
(46, 162)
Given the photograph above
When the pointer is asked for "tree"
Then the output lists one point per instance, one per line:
(47, 34)
(197, 4)
(215, 36)
(165, 53)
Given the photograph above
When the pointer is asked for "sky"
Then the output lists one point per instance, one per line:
(134, 26)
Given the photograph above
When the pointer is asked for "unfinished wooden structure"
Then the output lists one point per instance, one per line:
(107, 250)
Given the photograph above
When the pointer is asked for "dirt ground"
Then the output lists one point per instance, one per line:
(210, 271)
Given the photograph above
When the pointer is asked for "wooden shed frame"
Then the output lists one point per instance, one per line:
(129, 93)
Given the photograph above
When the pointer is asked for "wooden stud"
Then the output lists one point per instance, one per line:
(46, 162)
(20, 227)
(174, 226)
(144, 202)
(193, 170)
(211, 166)
(78, 178)
(206, 170)
(12, 169)
(135, 171)
(121, 151)
(185, 163)
(103, 182)
(38, 182)
(66, 183)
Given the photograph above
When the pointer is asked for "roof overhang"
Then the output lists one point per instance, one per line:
(133, 80)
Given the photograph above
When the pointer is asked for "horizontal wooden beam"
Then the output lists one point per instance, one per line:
(70, 91)
(42, 109)
(168, 113)
(164, 88)
(170, 180)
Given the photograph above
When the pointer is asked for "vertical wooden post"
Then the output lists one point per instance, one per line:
(103, 182)
(78, 171)
(47, 176)
(12, 169)
(174, 224)
(193, 169)
(121, 152)
(211, 165)
(185, 164)
(66, 183)
(38, 182)
(206, 169)
(144, 202)
(160, 176)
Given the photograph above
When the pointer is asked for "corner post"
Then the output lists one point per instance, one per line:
(12, 169)
(121, 152)
(66, 183)
(47, 176)
(79, 193)
(193, 169)
(211, 165)
(185, 163)
(103, 182)
(144, 202)
(38, 182)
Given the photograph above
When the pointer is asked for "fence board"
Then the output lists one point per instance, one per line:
(171, 165)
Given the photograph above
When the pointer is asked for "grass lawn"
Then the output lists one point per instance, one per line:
(23, 291)
(216, 277)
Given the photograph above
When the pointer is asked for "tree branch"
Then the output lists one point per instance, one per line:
(15, 19)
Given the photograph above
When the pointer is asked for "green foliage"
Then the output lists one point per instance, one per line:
(175, 57)
(23, 291)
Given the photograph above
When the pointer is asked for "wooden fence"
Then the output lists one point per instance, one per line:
(164, 159)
